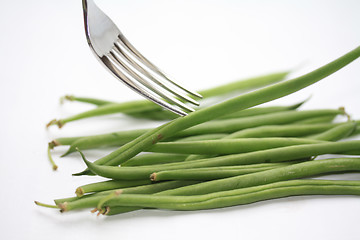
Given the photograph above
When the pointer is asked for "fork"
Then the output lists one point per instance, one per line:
(129, 66)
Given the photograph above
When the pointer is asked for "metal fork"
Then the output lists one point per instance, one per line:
(129, 65)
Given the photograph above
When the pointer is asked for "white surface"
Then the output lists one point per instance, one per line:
(44, 55)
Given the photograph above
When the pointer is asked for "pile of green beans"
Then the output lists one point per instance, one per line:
(227, 154)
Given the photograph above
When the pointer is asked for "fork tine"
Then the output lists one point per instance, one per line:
(108, 60)
(139, 68)
(147, 84)
(150, 65)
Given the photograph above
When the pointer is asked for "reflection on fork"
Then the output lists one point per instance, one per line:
(130, 66)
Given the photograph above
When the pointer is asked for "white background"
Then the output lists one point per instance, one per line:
(44, 55)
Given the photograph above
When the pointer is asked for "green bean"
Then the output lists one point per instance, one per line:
(227, 146)
(198, 138)
(236, 197)
(110, 108)
(357, 129)
(295, 171)
(53, 164)
(339, 132)
(232, 125)
(91, 200)
(108, 185)
(94, 101)
(291, 130)
(270, 155)
(157, 187)
(212, 173)
(154, 158)
(244, 101)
